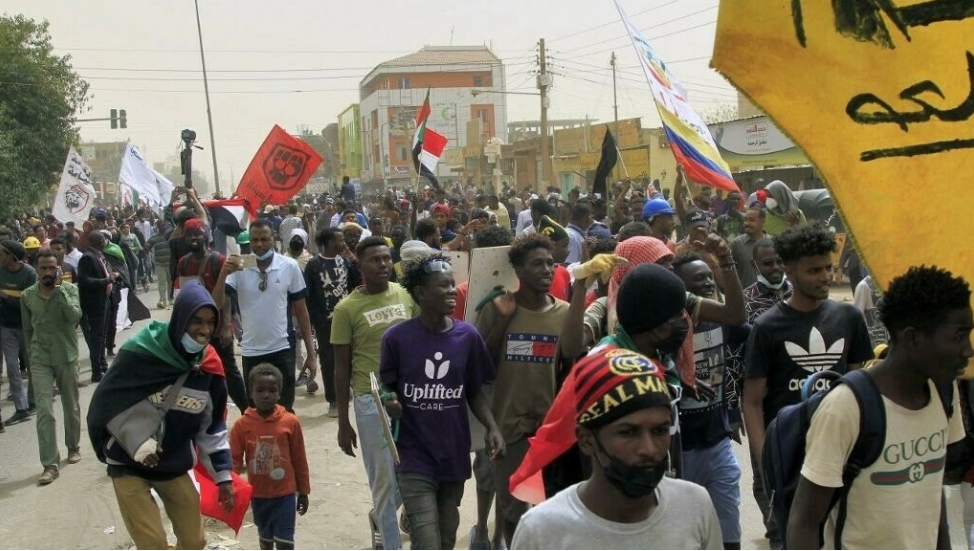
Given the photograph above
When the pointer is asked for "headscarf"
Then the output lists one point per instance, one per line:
(637, 250)
(786, 199)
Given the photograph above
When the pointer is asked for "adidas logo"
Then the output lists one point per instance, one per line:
(817, 357)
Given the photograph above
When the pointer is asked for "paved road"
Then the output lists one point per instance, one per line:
(76, 510)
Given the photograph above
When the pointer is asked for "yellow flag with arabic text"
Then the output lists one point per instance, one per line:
(880, 96)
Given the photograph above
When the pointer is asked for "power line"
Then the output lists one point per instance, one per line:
(651, 27)
(614, 22)
(681, 31)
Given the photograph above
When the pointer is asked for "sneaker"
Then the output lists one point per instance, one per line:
(110, 353)
(477, 543)
(50, 475)
(160, 305)
(19, 416)
(302, 378)
(332, 409)
(74, 456)
(311, 387)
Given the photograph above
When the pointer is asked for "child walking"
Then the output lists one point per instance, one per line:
(269, 438)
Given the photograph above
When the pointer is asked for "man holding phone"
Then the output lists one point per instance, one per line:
(50, 310)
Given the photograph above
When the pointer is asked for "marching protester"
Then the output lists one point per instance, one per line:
(434, 366)
(267, 293)
(50, 309)
(330, 277)
(167, 368)
(15, 277)
(891, 504)
(358, 324)
(801, 335)
(95, 286)
(269, 441)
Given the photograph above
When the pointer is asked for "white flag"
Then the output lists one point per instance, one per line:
(153, 187)
(75, 194)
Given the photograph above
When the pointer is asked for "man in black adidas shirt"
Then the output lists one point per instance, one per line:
(800, 336)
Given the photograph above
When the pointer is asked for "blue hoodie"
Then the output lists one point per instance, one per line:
(146, 366)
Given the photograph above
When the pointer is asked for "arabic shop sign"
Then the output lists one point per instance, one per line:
(755, 143)
(880, 97)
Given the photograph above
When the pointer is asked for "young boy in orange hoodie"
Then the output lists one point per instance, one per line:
(269, 438)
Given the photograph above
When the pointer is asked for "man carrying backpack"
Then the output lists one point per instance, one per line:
(799, 337)
(896, 501)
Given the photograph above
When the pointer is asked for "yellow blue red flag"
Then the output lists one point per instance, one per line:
(689, 137)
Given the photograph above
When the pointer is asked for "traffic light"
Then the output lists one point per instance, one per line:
(114, 117)
(121, 119)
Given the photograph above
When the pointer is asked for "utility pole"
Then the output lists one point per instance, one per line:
(543, 83)
(206, 90)
(615, 106)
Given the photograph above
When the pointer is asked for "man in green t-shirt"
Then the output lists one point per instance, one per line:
(358, 324)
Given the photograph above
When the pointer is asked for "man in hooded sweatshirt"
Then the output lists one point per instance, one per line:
(149, 365)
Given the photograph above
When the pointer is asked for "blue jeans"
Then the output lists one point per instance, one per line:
(433, 507)
(275, 518)
(12, 340)
(379, 467)
(716, 469)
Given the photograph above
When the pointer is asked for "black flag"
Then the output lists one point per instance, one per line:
(610, 154)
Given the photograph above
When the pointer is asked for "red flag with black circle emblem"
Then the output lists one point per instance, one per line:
(279, 170)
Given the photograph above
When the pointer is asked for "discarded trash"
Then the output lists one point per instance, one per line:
(110, 530)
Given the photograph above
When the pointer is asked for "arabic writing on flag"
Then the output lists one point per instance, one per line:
(75, 194)
(279, 170)
(152, 187)
(689, 137)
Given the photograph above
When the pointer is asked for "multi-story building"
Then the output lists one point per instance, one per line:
(105, 161)
(461, 80)
(349, 143)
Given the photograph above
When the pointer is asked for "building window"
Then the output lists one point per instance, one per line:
(403, 153)
(478, 81)
(403, 83)
(482, 114)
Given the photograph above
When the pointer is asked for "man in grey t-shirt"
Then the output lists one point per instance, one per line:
(624, 417)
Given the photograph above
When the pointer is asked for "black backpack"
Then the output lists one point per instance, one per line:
(784, 443)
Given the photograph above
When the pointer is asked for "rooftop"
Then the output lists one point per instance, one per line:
(445, 55)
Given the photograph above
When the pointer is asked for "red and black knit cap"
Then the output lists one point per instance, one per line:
(614, 383)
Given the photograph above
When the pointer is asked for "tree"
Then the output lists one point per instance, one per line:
(325, 147)
(40, 96)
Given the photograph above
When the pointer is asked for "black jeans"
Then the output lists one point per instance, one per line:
(326, 359)
(111, 321)
(770, 525)
(235, 382)
(93, 324)
(282, 360)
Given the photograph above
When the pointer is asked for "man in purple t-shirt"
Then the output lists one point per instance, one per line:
(434, 367)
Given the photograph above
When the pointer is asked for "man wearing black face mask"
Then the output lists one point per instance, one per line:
(622, 406)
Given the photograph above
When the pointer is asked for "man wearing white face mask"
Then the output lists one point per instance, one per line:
(269, 294)
(771, 286)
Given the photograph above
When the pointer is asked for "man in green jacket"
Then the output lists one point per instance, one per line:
(51, 309)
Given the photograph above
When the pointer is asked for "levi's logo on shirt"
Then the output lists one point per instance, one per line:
(531, 348)
(386, 314)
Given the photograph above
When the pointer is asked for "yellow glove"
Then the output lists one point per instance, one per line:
(601, 267)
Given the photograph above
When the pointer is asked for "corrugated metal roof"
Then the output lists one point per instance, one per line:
(445, 55)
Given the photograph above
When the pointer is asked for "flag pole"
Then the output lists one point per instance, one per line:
(621, 160)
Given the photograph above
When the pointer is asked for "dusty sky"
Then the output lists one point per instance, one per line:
(299, 62)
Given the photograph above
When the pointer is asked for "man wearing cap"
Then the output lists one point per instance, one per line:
(205, 265)
(621, 406)
(661, 218)
(15, 276)
(697, 225)
(731, 223)
(32, 246)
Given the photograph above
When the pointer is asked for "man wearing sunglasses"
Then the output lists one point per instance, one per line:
(268, 294)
